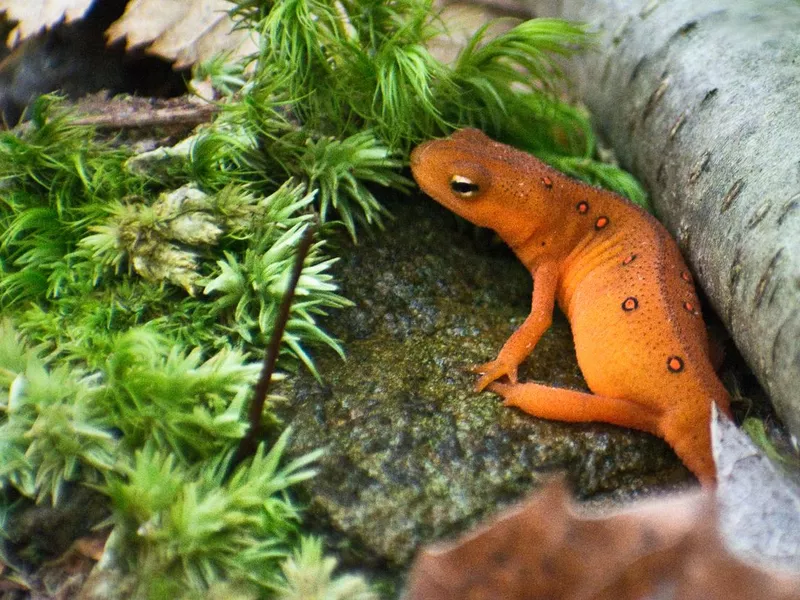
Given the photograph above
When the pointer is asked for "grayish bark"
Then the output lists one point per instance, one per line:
(759, 507)
(699, 98)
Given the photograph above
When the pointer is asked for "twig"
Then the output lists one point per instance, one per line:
(249, 442)
(157, 117)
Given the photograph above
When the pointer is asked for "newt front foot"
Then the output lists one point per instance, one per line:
(494, 370)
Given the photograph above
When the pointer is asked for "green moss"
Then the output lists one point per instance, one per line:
(307, 575)
(757, 430)
(186, 529)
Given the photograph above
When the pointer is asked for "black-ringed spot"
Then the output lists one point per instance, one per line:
(675, 364)
(582, 207)
(628, 260)
(601, 223)
(547, 182)
(630, 303)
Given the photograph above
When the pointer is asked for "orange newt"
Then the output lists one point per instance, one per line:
(618, 276)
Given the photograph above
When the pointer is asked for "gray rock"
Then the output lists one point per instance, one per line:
(413, 453)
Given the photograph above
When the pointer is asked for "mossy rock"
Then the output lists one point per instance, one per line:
(413, 453)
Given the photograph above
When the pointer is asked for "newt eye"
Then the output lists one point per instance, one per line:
(463, 186)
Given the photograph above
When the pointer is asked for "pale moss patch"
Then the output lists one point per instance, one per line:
(308, 575)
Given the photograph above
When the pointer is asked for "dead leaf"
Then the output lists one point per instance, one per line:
(545, 548)
(81, 555)
(180, 30)
(184, 31)
(32, 16)
(63, 577)
(461, 21)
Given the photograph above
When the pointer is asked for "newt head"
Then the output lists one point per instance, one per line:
(453, 172)
(488, 183)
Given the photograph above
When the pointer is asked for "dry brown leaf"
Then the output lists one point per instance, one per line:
(80, 556)
(461, 20)
(34, 15)
(184, 31)
(180, 30)
(544, 548)
(63, 577)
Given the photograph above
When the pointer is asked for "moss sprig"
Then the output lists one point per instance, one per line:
(105, 264)
(185, 529)
(308, 574)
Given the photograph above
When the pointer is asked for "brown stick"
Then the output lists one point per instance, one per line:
(249, 443)
(157, 117)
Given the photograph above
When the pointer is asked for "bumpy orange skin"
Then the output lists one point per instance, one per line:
(618, 276)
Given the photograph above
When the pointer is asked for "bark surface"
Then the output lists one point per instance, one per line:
(699, 100)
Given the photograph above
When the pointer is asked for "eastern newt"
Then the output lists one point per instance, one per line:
(616, 273)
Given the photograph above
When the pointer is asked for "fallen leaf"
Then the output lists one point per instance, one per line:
(183, 31)
(546, 548)
(462, 20)
(180, 30)
(32, 16)
(64, 576)
(81, 555)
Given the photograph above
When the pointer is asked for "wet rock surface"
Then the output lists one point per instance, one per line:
(413, 454)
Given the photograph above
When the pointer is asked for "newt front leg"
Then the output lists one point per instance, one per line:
(524, 340)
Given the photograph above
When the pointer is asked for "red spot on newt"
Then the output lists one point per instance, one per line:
(583, 207)
(675, 364)
(623, 366)
(630, 304)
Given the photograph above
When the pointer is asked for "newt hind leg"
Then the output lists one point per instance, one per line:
(561, 404)
(693, 446)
